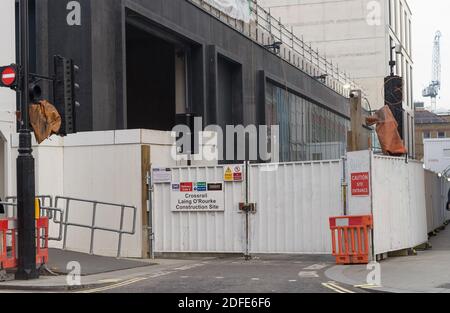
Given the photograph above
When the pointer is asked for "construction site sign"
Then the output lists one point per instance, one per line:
(197, 197)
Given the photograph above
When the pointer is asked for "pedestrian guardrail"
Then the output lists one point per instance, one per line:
(350, 239)
(93, 227)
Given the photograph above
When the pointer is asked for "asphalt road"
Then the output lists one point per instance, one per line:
(274, 274)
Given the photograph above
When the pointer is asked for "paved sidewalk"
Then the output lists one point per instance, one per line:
(150, 268)
(428, 272)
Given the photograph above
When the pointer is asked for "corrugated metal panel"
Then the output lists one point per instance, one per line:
(436, 200)
(294, 204)
(199, 232)
(445, 199)
(399, 208)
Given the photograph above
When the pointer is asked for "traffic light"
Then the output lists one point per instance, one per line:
(65, 91)
(9, 76)
(35, 92)
(393, 91)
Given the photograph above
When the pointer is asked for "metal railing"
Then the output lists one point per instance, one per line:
(93, 226)
(265, 29)
(61, 217)
(46, 208)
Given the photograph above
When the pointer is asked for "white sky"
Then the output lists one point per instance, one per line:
(428, 17)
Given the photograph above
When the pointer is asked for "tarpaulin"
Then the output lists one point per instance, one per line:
(238, 9)
(45, 120)
(387, 131)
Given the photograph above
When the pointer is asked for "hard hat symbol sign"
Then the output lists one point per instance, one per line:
(8, 76)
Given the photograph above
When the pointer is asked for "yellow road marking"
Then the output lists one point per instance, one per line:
(332, 288)
(368, 286)
(335, 287)
(122, 284)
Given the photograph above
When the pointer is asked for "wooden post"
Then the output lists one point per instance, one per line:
(356, 138)
(145, 170)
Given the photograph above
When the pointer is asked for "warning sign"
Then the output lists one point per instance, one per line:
(228, 176)
(360, 184)
(234, 173)
(197, 197)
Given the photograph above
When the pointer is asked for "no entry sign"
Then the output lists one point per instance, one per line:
(8, 76)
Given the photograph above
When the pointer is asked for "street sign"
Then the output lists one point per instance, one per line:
(8, 76)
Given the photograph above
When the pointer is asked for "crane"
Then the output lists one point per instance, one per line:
(432, 91)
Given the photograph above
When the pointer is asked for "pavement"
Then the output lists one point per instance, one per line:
(262, 274)
(89, 264)
(427, 272)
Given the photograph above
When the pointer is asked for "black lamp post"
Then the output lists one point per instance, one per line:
(25, 166)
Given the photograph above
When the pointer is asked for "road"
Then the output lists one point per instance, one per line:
(274, 274)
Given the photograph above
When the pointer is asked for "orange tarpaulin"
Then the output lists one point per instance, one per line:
(45, 120)
(387, 131)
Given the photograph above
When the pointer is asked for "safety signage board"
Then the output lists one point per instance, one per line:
(8, 76)
(233, 173)
(197, 197)
(162, 175)
(360, 184)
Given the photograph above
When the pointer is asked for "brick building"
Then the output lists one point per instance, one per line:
(428, 126)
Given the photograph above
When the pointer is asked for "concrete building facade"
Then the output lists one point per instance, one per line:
(358, 35)
(144, 62)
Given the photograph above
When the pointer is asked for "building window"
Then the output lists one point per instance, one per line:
(307, 131)
(441, 135)
(426, 135)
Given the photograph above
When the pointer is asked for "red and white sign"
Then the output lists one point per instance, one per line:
(187, 187)
(360, 184)
(238, 173)
(8, 76)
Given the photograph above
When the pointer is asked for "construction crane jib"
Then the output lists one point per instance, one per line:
(432, 91)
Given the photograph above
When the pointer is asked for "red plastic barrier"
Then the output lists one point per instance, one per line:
(8, 253)
(350, 238)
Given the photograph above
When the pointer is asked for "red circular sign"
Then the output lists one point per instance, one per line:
(8, 76)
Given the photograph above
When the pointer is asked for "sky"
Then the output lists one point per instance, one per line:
(428, 17)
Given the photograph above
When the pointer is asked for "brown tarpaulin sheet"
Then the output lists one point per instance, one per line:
(387, 131)
(45, 120)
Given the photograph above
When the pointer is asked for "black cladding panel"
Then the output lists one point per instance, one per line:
(69, 25)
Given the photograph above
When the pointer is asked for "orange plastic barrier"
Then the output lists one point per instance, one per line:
(8, 253)
(350, 238)
(8, 257)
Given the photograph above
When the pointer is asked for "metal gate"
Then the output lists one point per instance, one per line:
(293, 202)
